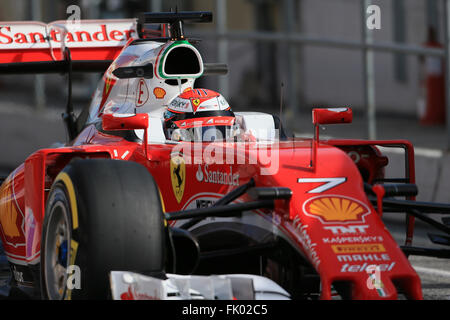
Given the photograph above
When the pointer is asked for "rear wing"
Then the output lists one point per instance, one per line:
(84, 45)
(35, 47)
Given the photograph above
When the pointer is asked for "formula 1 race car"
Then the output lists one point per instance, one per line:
(163, 181)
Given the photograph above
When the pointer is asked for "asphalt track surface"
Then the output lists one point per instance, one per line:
(433, 272)
(23, 131)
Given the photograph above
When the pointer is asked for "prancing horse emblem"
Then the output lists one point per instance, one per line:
(178, 176)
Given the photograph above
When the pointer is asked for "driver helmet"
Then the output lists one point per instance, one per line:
(199, 115)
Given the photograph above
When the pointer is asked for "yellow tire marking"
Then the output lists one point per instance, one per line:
(64, 177)
(73, 251)
(163, 207)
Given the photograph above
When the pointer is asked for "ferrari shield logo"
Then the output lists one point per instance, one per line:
(196, 102)
(178, 176)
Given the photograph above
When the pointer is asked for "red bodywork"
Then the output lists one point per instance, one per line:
(337, 229)
(329, 219)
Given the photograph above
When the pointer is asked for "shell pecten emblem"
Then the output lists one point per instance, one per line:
(334, 208)
(159, 93)
(8, 212)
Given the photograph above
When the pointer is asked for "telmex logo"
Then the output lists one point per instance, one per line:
(336, 209)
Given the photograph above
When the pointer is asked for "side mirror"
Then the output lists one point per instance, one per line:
(332, 116)
(134, 72)
(116, 121)
(327, 116)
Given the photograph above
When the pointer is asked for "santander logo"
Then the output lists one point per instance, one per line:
(15, 35)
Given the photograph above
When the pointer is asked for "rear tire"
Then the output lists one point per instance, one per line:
(101, 215)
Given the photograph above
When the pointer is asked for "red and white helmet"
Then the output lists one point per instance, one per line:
(199, 115)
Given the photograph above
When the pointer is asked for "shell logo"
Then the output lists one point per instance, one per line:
(332, 209)
(159, 93)
(8, 212)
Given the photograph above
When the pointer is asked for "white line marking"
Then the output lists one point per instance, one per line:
(430, 153)
(418, 151)
(329, 183)
(435, 272)
(125, 154)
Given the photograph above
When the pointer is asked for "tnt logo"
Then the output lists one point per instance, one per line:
(337, 230)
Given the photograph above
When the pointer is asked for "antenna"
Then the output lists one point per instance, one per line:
(179, 84)
(69, 116)
(175, 20)
(281, 102)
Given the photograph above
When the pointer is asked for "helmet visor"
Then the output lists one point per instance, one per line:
(202, 134)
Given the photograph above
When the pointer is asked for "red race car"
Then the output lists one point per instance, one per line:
(160, 177)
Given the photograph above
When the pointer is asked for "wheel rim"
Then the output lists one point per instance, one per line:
(56, 257)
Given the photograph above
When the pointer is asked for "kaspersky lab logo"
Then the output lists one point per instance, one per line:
(217, 176)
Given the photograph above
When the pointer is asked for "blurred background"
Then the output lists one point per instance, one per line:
(284, 57)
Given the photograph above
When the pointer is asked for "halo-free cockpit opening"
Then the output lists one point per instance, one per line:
(182, 60)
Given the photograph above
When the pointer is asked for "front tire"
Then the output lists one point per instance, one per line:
(101, 215)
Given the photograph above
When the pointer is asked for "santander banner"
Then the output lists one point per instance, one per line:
(78, 34)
